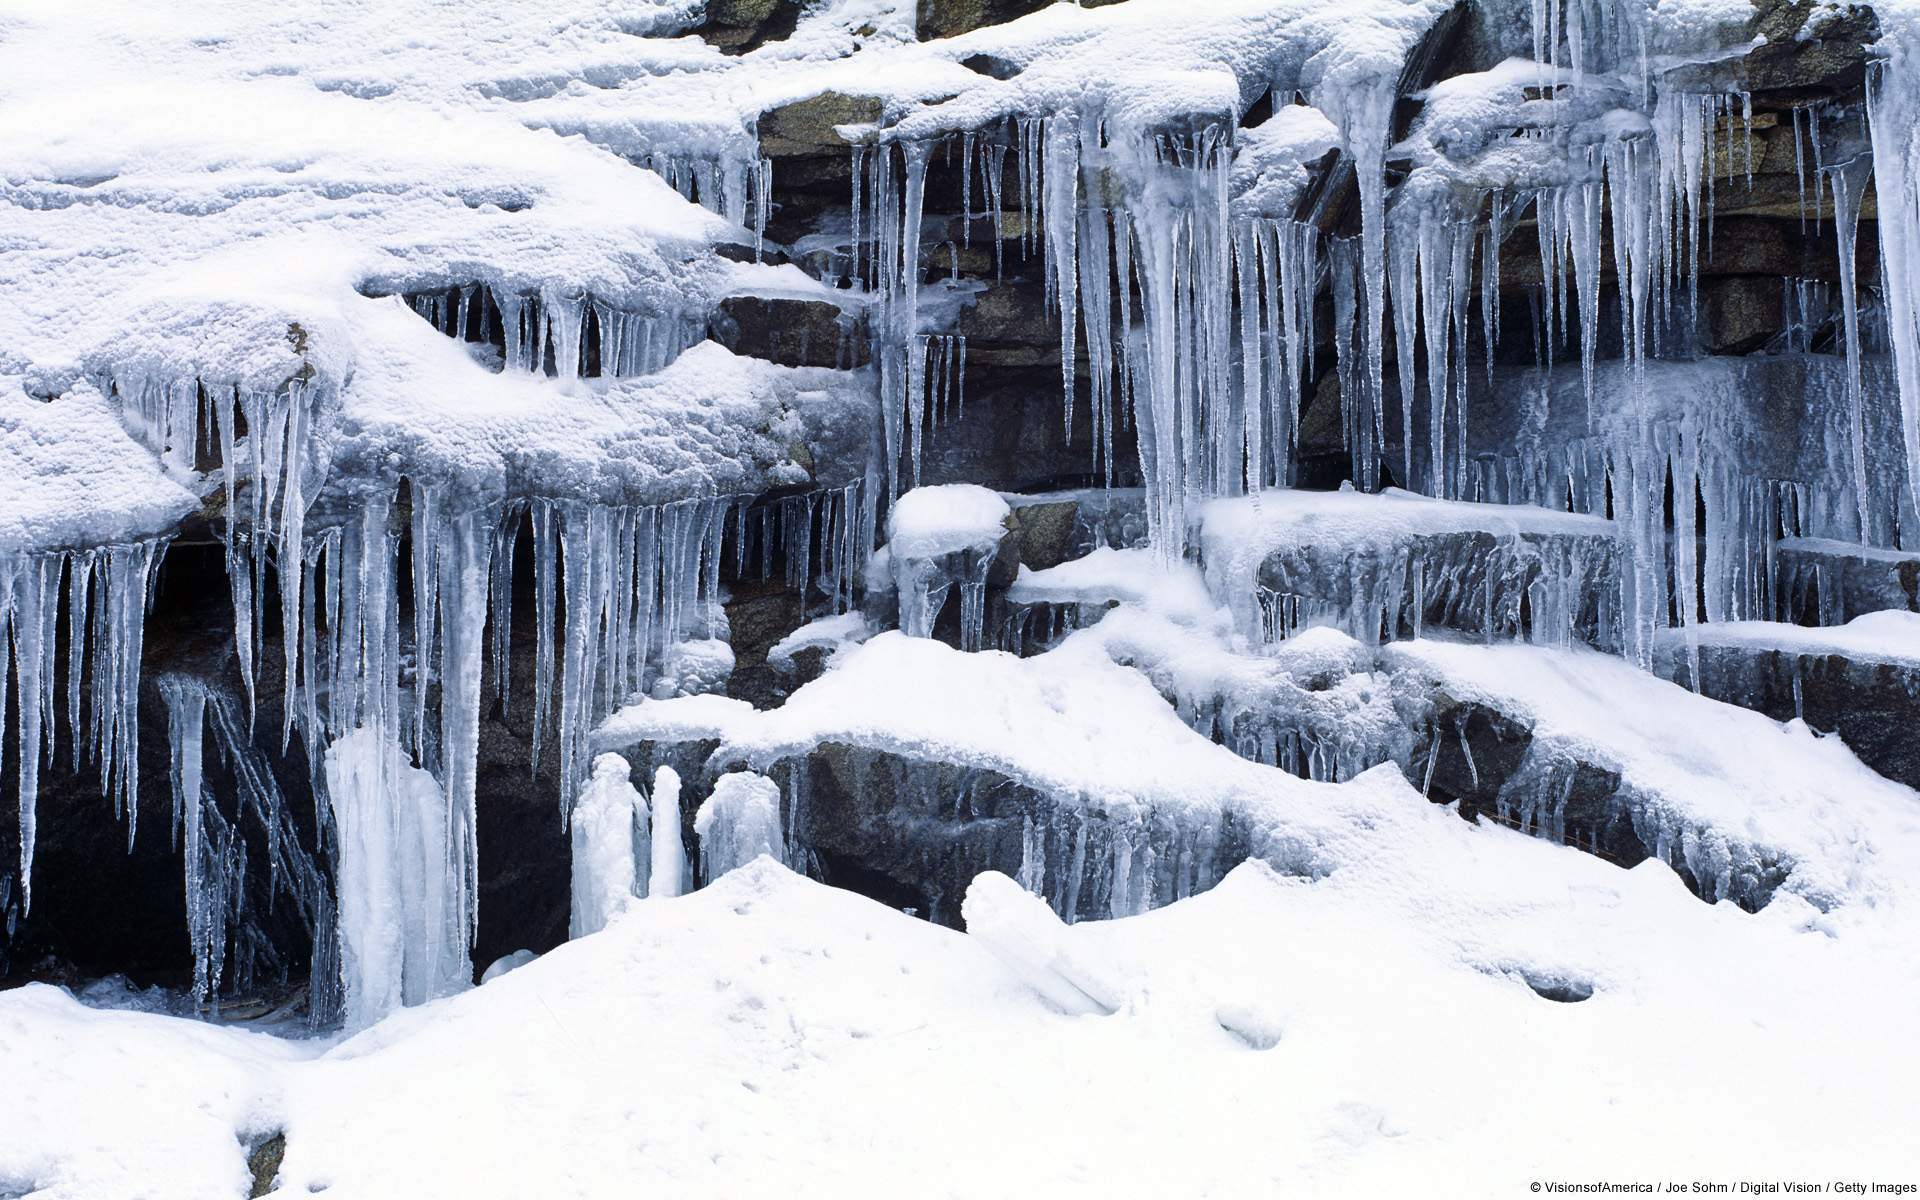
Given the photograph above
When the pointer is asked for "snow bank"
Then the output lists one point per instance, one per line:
(1736, 797)
(769, 1034)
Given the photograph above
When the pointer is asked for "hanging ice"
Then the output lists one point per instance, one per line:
(938, 537)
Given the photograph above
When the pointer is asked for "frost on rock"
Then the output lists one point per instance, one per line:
(1391, 566)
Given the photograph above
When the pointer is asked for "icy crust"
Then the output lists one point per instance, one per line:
(1749, 807)
(74, 478)
(1382, 565)
(1880, 637)
(680, 719)
(1096, 739)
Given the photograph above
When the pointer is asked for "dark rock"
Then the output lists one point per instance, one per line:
(1742, 313)
(1043, 534)
(739, 26)
(1470, 752)
(263, 1162)
(793, 333)
(1010, 434)
(806, 127)
(1835, 59)
(948, 18)
(759, 615)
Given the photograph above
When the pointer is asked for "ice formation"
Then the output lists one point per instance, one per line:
(738, 823)
(610, 827)
(404, 901)
(556, 397)
(939, 538)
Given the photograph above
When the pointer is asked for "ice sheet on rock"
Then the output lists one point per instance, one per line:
(1749, 808)
(1386, 566)
(1748, 447)
(610, 829)
(831, 634)
(693, 668)
(1832, 582)
(739, 822)
(1889, 637)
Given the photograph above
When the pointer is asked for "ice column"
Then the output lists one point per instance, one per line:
(739, 823)
(401, 881)
(610, 846)
(669, 853)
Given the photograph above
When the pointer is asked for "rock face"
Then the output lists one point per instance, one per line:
(1831, 583)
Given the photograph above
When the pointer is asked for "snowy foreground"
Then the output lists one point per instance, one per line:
(768, 1035)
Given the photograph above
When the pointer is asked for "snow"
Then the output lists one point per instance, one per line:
(929, 522)
(768, 1033)
(74, 476)
(1880, 637)
(832, 634)
(1731, 791)
(224, 212)
(1102, 574)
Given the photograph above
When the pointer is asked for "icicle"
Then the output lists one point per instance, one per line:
(402, 918)
(1062, 213)
(1893, 112)
(1846, 179)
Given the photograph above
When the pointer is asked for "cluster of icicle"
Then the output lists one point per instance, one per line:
(215, 850)
(625, 847)
(1552, 590)
(1213, 366)
(105, 593)
(391, 706)
(551, 327)
(735, 186)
